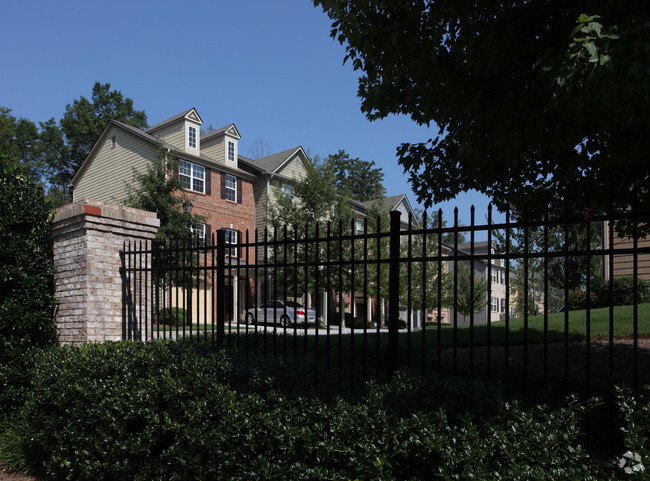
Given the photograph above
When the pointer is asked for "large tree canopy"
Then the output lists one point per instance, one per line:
(358, 179)
(534, 101)
(52, 152)
(84, 120)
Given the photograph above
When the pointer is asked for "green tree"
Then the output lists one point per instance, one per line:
(294, 214)
(314, 199)
(83, 122)
(358, 179)
(420, 279)
(53, 155)
(534, 102)
(471, 291)
(563, 270)
(52, 152)
(19, 140)
(156, 191)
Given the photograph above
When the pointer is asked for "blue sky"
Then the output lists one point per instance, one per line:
(270, 67)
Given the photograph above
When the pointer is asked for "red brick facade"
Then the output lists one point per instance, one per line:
(221, 213)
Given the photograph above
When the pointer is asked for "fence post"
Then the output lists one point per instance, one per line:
(221, 290)
(393, 290)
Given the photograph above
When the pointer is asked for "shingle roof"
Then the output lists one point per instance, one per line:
(169, 120)
(384, 203)
(270, 163)
(155, 140)
(213, 133)
(480, 247)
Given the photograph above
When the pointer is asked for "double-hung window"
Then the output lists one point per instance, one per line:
(494, 304)
(231, 188)
(198, 232)
(231, 238)
(192, 175)
(231, 151)
(191, 137)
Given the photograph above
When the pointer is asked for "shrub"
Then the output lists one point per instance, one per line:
(578, 300)
(26, 281)
(623, 291)
(176, 411)
(636, 430)
(173, 316)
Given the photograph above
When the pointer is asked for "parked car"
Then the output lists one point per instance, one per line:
(284, 312)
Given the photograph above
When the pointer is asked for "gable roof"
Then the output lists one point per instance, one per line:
(189, 112)
(272, 163)
(480, 247)
(387, 203)
(146, 136)
(228, 129)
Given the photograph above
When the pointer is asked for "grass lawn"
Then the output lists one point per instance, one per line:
(573, 323)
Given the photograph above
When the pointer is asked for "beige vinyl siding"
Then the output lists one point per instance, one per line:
(173, 134)
(294, 169)
(261, 197)
(214, 149)
(404, 211)
(624, 264)
(105, 176)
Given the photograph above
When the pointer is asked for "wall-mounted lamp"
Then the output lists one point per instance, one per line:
(187, 206)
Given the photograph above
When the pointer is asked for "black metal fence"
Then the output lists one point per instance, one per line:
(552, 299)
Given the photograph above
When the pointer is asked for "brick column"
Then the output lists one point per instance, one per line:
(88, 236)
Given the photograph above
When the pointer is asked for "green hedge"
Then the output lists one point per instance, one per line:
(173, 316)
(133, 411)
(27, 302)
(622, 293)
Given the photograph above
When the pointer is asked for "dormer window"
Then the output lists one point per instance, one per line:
(191, 137)
(231, 151)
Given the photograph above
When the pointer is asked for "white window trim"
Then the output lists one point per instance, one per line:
(191, 136)
(231, 238)
(232, 162)
(494, 304)
(231, 189)
(197, 137)
(198, 231)
(195, 170)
